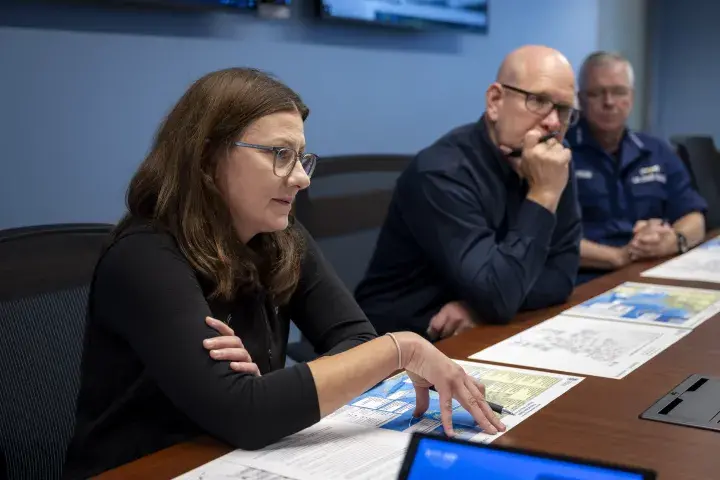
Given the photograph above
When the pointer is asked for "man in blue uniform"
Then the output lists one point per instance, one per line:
(485, 221)
(635, 194)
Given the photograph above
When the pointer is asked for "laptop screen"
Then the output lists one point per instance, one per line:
(438, 458)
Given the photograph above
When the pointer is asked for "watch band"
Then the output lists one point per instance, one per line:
(682, 242)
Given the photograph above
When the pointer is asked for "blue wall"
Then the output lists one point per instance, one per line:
(685, 68)
(82, 90)
(622, 27)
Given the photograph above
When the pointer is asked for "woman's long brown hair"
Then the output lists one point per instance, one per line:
(174, 188)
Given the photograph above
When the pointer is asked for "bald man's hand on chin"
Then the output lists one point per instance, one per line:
(545, 166)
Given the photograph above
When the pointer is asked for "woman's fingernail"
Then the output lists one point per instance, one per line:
(214, 353)
(234, 364)
(208, 342)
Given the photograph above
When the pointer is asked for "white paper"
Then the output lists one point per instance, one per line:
(359, 441)
(226, 468)
(702, 264)
(328, 450)
(679, 307)
(583, 346)
(390, 405)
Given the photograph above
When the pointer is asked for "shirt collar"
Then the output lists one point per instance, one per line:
(583, 136)
(631, 145)
(490, 149)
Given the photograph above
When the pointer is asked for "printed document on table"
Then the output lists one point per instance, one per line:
(367, 439)
(326, 451)
(702, 264)
(680, 307)
(585, 346)
(390, 405)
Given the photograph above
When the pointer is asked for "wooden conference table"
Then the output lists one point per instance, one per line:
(597, 419)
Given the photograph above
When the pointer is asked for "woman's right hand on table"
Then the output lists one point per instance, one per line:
(427, 367)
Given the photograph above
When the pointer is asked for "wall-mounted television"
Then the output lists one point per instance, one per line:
(463, 14)
(206, 4)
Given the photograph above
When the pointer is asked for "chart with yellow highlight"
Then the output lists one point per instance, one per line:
(390, 405)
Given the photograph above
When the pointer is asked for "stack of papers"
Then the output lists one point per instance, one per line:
(701, 264)
(609, 335)
(366, 439)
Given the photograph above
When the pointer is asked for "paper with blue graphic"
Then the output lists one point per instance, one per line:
(396, 397)
(712, 244)
(680, 307)
(701, 264)
(391, 404)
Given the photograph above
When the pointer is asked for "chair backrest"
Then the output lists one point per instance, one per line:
(704, 164)
(332, 219)
(678, 142)
(349, 213)
(45, 272)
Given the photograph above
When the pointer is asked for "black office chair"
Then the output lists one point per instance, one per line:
(678, 142)
(330, 218)
(3, 466)
(45, 272)
(704, 165)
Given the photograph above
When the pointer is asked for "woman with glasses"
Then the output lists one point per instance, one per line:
(209, 253)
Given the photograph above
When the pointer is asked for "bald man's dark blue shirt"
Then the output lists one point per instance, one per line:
(460, 228)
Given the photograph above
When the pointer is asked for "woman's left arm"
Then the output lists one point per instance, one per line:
(323, 308)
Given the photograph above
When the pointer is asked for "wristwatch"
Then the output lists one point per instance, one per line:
(682, 242)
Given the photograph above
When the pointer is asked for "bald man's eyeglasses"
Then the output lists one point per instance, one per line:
(542, 105)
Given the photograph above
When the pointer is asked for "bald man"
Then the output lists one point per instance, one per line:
(484, 222)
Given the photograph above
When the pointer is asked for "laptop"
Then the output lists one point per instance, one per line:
(430, 457)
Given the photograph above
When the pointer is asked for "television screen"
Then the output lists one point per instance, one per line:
(466, 14)
(229, 4)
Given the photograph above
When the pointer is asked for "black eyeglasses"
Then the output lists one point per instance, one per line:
(285, 159)
(543, 105)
